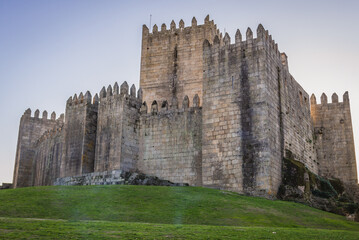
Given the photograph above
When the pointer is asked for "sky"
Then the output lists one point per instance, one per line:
(50, 50)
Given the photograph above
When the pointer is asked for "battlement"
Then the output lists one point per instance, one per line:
(82, 100)
(122, 93)
(262, 40)
(324, 99)
(27, 114)
(181, 27)
(171, 60)
(210, 111)
(160, 107)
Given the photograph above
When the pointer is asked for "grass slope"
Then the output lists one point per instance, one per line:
(129, 207)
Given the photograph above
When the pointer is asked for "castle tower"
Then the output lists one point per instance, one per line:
(30, 130)
(79, 135)
(171, 60)
(117, 133)
(334, 138)
(253, 113)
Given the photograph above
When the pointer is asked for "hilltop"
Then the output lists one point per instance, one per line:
(160, 212)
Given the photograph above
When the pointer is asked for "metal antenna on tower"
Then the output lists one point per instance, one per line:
(150, 20)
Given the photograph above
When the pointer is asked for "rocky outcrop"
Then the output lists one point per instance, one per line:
(331, 195)
(115, 177)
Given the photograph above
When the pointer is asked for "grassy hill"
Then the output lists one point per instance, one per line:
(160, 212)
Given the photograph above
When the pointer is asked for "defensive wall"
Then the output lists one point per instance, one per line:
(209, 113)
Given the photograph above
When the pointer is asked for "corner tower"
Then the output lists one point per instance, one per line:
(171, 60)
(334, 138)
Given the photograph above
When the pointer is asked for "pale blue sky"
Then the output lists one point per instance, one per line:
(50, 50)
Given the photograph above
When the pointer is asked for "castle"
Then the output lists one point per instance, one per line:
(208, 113)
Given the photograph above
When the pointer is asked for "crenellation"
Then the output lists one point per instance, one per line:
(133, 90)
(247, 113)
(116, 89)
(227, 39)
(163, 27)
(173, 25)
(27, 113)
(81, 98)
(238, 37)
(103, 92)
(249, 35)
(323, 99)
(346, 97)
(75, 99)
(44, 115)
(155, 29)
(109, 91)
(95, 99)
(53, 116)
(37, 113)
(88, 97)
(139, 94)
(181, 24)
(124, 88)
(194, 22)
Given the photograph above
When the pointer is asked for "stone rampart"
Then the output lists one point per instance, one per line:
(117, 131)
(30, 131)
(79, 135)
(334, 139)
(170, 141)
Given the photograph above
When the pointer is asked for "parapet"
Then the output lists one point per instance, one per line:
(27, 115)
(334, 99)
(122, 92)
(80, 100)
(262, 40)
(174, 29)
(163, 107)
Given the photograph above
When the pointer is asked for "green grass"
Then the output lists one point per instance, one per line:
(57, 229)
(157, 212)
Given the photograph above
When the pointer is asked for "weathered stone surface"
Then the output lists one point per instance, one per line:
(114, 177)
(209, 113)
(299, 184)
(334, 138)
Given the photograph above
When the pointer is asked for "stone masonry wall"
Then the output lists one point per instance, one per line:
(79, 135)
(334, 138)
(250, 115)
(117, 130)
(221, 130)
(48, 157)
(289, 108)
(30, 130)
(171, 60)
(170, 142)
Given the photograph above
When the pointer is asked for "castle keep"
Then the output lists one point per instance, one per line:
(210, 112)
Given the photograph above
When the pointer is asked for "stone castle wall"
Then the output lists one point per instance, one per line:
(48, 157)
(209, 113)
(30, 131)
(117, 132)
(334, 138)
(170, 141)
(79, 135)
(171, 60)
